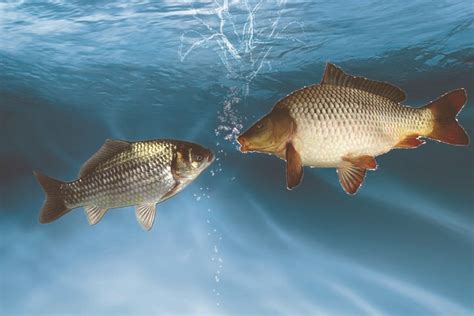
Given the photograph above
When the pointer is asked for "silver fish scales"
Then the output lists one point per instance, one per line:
(127, 173)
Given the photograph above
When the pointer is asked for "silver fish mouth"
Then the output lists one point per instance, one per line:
(210, 157)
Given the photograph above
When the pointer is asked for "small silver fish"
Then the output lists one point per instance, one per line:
(345, 122)
(126, 173)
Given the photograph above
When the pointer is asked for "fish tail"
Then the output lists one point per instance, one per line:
(445, 125)
(54, 206)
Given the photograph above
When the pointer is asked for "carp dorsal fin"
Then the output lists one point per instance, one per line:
(107, 151)
(337, 77)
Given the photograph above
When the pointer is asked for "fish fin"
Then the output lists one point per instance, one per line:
(108, 150)
(294, 168)
(94, 213)
(446, 128)
(146, 215)
(337, 77)
(410, 141)
(176, 188)
(365, 161)
(54, 206)
(351, 178)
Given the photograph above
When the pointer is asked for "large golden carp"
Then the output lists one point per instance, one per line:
(345, 122)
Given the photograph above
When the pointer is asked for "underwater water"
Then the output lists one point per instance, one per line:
(74, 73)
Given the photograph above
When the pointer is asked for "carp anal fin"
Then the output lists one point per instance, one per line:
(146, 215)
(294, 168)
(107, 151)
(337, 77)
(411, 141)
(94, 213)
(351, 178)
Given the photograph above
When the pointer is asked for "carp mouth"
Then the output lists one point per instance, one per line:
(246, 147)
(243, 145)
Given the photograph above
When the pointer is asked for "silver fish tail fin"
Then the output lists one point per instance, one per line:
(54, 206)
(444, 110)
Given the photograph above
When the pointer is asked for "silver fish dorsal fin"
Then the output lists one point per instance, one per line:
(107, 151)
(337, 77)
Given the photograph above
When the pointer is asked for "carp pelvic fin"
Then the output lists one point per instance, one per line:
(410, 141)
(446, 128)
(351, 178)
(107, 151)
(94, 213)
(337, 77)
(294, 168)
(146, 215)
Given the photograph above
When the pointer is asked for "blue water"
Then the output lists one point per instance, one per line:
(74, 73)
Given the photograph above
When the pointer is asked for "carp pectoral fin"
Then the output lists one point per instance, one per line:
(294, 168)
(146, 215)
(351, 178)
(94, 213)
(411, 141)
(364, 162)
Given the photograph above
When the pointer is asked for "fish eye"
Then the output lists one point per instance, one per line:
(198, 158)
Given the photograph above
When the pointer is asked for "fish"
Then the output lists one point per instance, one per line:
(345, 121)
(123, 173)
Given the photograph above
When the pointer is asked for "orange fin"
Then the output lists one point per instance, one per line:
(411, 141)
(294, 168)
(351, 178)
(445, 109)
(337, 77)
(365, 162)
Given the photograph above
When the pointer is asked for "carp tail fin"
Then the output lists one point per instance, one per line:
(446, 128)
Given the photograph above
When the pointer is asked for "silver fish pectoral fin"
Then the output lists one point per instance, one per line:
(294, 167)
(146, 215)
(94, 213)
(174, 190)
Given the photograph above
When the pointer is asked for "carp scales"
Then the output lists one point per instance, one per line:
(126, 173)
(345, 122)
